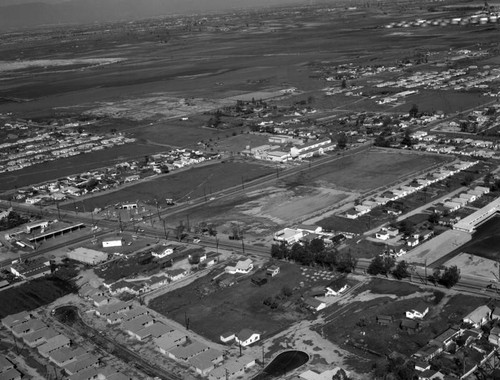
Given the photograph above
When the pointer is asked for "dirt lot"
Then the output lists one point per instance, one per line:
(240, 305)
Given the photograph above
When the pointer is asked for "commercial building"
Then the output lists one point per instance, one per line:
(87, 256)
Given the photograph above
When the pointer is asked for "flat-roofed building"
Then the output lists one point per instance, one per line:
(87, 256)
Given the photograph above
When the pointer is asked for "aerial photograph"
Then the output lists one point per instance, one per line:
(249, 189)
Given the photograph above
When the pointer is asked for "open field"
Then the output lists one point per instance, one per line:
(33, 294)
(159, 81)
(183, 185)
(368, 170)
(240, 305)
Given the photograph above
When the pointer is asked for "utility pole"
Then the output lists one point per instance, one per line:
(242, 183)
(58, 211)
(425, 271)
(165, 230)
(263, 361)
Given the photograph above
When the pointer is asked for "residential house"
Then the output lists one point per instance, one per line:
(418, 312)
(64, 356)
(314, 304)
(39, 337)
(479, 316)
(337, 287)
(246, 337)
(410, 326)
(227, 337)
(242, 266)
(184, 353)
(384, 320)
(13, 319)
(494, 336)
(82, 363)
(495, 314)
(205, 361)
(383, 234)
(176, 274)
(53, 344)
(273, 270)
(27, 327)
(170, 340)
(412, 242)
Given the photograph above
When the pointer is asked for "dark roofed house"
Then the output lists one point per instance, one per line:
(10, 374)
(410, 326)
(314, 304)
(384, 320)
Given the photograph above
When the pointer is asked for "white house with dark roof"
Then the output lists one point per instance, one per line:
(418, 312)
(479, 316)
(246, 337)
(242, 266)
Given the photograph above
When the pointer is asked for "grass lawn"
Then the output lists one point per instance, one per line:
(234, 308)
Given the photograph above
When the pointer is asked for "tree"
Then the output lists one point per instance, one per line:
(413, 111)
(342, 140)
(316, 246)
(279, 251)
(381, 265)
(346, 263)
(401, 270)
(450, 276)
(406, 139)
(340, 375)
(343, 85)
(286, 291)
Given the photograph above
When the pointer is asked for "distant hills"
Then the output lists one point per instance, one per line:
(25, 14)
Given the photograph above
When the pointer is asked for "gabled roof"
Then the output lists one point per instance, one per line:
(5, 363)
(170, 339)
(64, 354)
(54, 343)
(477, 315)
(245, 334)
(13, 319)
(30, 325)
(155, 330)
(83, 362)
(188, 351)
(45, 333)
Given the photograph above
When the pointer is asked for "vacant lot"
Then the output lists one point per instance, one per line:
(240, 306)
(183, 185)
(367, 170)
(33, 294)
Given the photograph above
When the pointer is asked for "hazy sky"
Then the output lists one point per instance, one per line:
(27, 13)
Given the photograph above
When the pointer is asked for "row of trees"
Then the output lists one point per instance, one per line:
(315, 252)
(386, 265)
